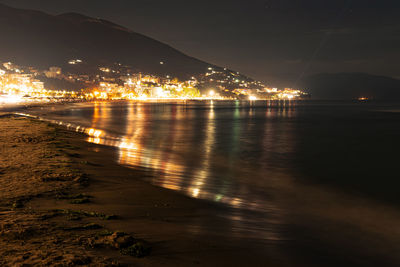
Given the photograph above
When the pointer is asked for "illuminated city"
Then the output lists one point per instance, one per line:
(24, 84)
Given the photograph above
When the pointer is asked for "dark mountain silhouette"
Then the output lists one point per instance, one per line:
(351, 86)
(37, 39)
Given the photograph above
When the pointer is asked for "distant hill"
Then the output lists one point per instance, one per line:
(351, 86)
(37, 39)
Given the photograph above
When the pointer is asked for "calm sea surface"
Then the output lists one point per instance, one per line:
(272, 164)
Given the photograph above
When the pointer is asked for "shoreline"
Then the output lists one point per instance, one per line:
(174, 224)
(168, 222)
(37, 165)
(183, 231)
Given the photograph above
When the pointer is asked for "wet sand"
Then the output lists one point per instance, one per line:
(34, 166)
(181, 231)
(57, 191)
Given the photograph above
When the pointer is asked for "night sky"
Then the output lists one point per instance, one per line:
(276, 41)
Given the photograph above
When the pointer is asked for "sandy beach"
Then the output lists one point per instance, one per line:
(64, 204)
(34, 165)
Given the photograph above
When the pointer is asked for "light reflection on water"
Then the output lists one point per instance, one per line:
(192, 157)
(222, 152)
(205, 152)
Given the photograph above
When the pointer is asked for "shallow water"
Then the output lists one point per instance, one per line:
(231, 151)
(261, 159)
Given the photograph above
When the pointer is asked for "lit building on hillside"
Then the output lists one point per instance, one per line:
(53, 72)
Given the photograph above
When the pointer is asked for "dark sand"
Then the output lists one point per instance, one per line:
(35, 165)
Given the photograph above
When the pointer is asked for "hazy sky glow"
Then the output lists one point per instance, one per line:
(271, 40)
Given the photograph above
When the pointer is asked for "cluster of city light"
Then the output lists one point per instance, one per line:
(16, 87)
(20, 84)
(270, 94)
(13, 87)
(75, 61)
(144, 87)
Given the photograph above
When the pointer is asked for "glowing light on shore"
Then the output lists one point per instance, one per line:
(11, 99)
(195, 192)
(97, 133)
(94, 133)
(143, 97)
(252, 98)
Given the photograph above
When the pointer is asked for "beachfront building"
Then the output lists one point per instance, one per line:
(20, 84)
